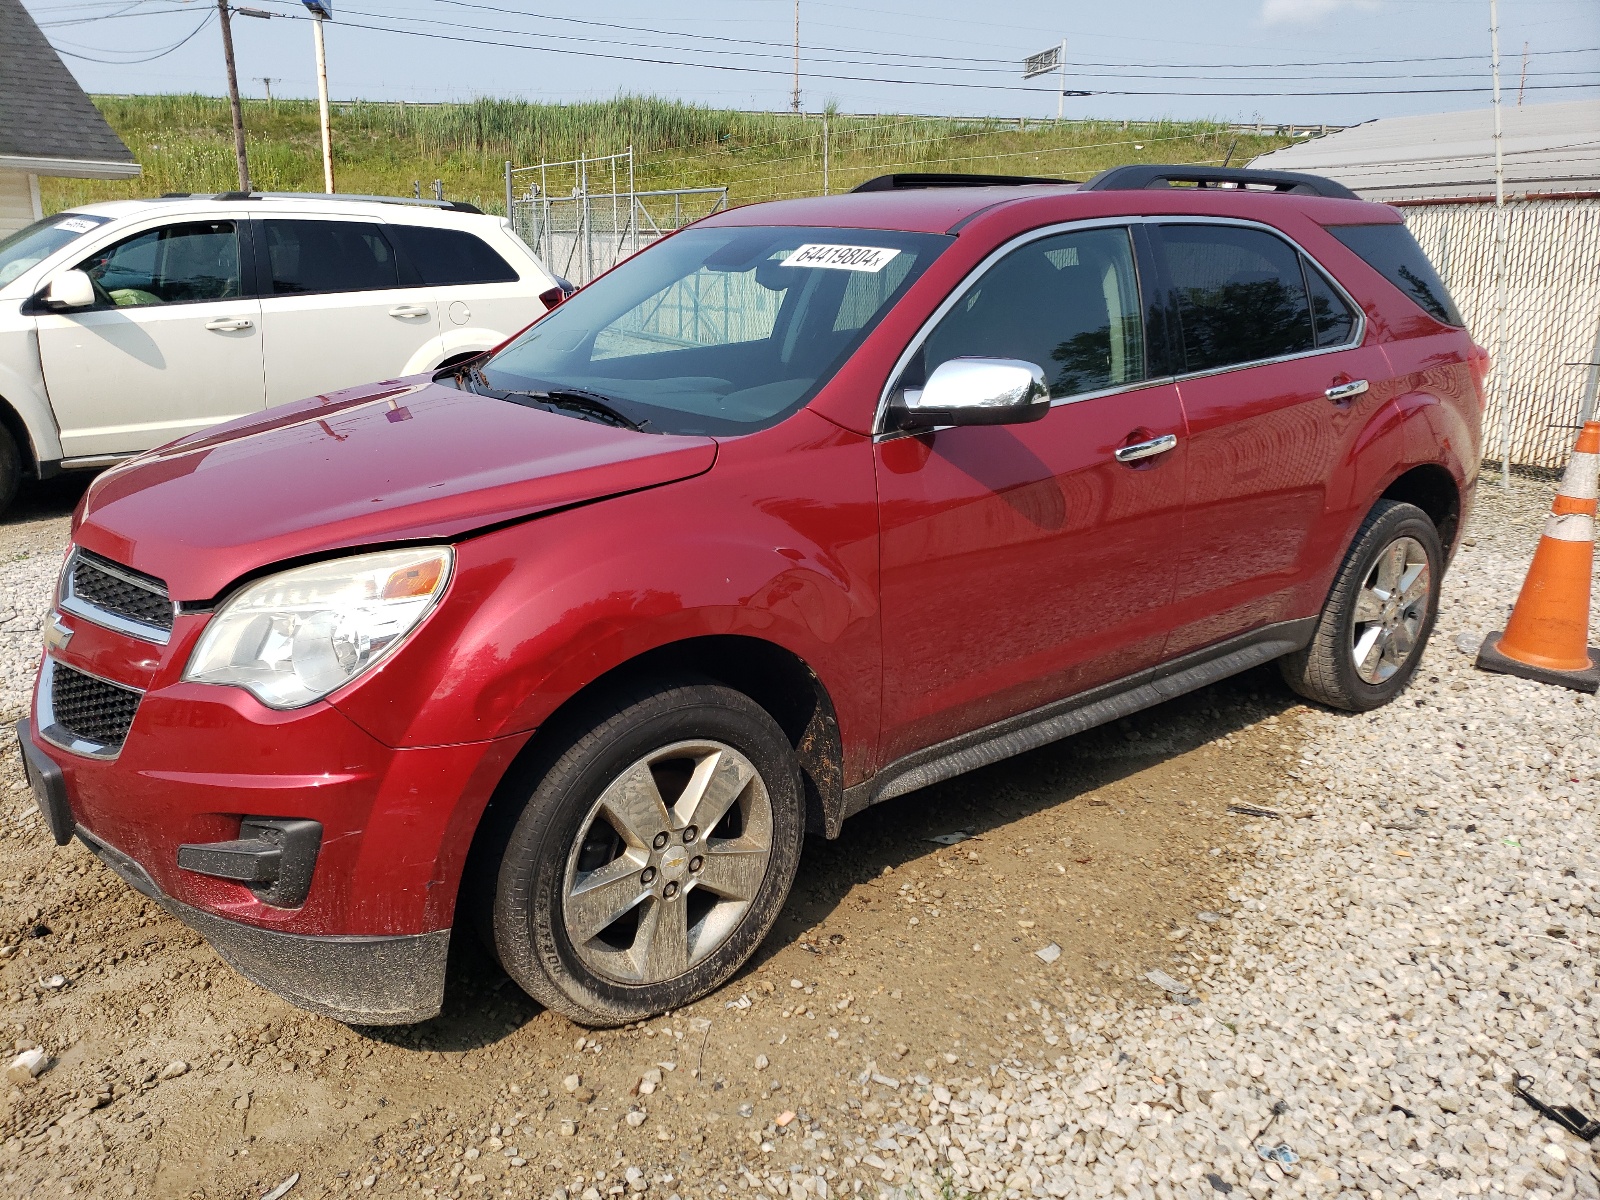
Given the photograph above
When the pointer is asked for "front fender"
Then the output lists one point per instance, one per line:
(538, 611)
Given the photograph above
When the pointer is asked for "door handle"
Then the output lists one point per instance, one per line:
(1344, 391)
(228, 324)
(1150, 449)
(409, 310)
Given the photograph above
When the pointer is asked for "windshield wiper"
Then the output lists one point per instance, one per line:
(591, 406)
(587, 404)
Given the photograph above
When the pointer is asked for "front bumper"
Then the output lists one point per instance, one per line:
(368, 939)
(395, 980)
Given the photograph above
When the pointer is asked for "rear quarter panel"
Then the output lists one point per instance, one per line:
(1428, 409)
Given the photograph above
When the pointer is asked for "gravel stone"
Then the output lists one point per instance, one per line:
(1392, 968)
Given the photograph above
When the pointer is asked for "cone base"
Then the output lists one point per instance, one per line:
(1584, 680)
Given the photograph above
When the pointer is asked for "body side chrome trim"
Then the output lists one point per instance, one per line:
(880, 431)
(57, 735)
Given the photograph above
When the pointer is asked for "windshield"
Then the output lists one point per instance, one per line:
(33, 244)
(716, 330)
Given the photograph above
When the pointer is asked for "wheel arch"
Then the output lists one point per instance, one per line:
(1432, 488)
(776, 678)
(11, 421)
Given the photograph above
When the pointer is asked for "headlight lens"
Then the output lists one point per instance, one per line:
(293, 637)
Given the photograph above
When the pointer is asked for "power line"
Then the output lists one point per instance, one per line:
(769, 71)
(128, 62)
(1008, 71)
(1004, 65)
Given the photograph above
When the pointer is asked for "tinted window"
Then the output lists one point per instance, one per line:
(1068, 303)
(1391, 251)
(176, 264)
(718, 329)
(1335, 320)
(327, 256)
(448, 256)
(1240, 295)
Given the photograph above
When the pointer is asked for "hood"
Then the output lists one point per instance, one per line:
(359, 467)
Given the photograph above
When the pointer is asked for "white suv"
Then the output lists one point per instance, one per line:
(127, 324)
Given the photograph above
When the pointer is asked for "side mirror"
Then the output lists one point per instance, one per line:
(70, 289)
(976, 391)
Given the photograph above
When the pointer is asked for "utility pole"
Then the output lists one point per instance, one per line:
(1523, 85)
(795, 102)
(322, 10)
(233, 97)
(266, 82)
(1499, 256)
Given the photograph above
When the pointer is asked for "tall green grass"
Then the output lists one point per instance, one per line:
(184, 143)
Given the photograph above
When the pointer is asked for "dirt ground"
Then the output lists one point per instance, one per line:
(901, 965)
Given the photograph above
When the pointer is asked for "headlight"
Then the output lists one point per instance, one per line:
(293, 637)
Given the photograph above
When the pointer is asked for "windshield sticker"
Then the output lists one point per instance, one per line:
(77, 225)
(841, 258)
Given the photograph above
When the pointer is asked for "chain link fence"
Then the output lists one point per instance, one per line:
(1552, 307)
(580, 232)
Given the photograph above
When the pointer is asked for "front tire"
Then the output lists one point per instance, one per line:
(1378, 615)
(652, 857)
(10, 469)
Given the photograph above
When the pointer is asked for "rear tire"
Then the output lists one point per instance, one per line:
(1378, 615)
(651, 858)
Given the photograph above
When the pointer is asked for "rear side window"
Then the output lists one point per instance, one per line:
(1240, 294)
(1392, 252)
(327, 256)
(1331, 313)
(449, 256)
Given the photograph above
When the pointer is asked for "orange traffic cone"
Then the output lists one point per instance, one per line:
(1547, 637)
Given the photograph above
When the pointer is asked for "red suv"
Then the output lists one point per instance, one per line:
(808, 506)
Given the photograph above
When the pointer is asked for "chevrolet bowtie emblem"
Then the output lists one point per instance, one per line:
(56, 635)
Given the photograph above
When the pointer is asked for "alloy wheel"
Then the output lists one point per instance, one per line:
(667, 862)
(1390, 610)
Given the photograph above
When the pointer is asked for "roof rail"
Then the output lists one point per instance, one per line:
(1142, 176)
(445, 205)
(889, 183)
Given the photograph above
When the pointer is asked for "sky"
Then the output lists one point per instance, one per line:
(1305, 61)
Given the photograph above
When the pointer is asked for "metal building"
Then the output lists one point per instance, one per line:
(1439, 171)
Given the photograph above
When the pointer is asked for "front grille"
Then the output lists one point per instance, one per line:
(92, 709)
(108, 588)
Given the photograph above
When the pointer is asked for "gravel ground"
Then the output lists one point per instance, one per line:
(35, 535)
(1419, 933)
(1419, 928)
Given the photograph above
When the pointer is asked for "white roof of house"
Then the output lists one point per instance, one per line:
(1547, 148)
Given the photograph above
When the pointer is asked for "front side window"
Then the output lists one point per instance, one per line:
(716, 329)
(311, 257)
(176, 264)
(1067, 303)
(1240, 295)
